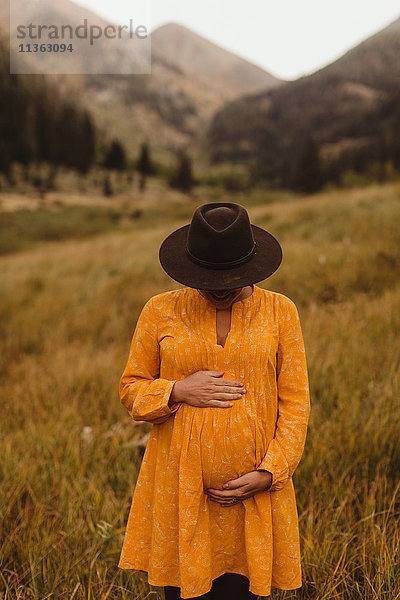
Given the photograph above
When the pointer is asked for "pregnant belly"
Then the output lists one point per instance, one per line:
(227, 447)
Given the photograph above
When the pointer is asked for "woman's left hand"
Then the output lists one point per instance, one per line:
(245, 486)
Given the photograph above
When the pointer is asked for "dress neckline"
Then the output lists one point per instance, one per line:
(237, 310)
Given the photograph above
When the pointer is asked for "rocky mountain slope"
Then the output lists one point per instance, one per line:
(172, 107)
(349, 108)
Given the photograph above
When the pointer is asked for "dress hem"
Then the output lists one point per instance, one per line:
(262, 594)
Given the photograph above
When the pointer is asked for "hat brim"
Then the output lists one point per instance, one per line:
(177, 264)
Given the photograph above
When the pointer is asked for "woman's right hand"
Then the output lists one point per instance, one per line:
(206, 388)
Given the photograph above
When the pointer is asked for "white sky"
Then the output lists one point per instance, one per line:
(289, 38)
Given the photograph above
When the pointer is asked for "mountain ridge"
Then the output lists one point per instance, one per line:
(336, 106)
(172, 107)
(192, 50)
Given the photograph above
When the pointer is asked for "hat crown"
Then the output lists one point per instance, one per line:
(220, 249)
(220, 235)
(220, 217)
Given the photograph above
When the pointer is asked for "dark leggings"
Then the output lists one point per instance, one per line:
(229, 586)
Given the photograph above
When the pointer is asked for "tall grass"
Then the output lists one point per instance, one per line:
(70, 454)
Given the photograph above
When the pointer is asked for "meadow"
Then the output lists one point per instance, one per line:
(70, 453)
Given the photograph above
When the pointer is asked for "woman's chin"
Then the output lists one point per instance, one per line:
(222, 304)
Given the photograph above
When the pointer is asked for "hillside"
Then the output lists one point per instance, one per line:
(173, 106)
(70, 453)
(349, 108)
(40, 123)
(221, 69)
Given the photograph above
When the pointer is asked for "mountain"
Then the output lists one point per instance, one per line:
(374, 62)
(231, 75)
(28, 10)
(104, 55)
(173, 107)
(347, 109)
(190, 79)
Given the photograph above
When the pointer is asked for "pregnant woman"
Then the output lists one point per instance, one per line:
(219, 368)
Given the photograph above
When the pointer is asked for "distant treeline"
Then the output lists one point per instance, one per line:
(305, 135)
(337, 123)
(37, 124)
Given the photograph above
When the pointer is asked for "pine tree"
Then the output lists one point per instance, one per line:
(87, 147)
(116, 157)
(308, 174)
(144, 164)
(183, 178)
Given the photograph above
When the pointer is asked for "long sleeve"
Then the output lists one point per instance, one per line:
(286, 448)
(141, 390)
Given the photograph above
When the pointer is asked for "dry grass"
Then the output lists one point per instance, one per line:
(70, 454)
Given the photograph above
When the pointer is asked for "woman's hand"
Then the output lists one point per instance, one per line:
(206, 388)
(237, 490)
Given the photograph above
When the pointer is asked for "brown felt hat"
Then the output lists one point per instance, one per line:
(220, 249)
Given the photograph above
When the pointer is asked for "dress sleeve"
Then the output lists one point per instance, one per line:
(141, 390)
(286, 447)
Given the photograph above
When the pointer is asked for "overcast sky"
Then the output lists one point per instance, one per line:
(289, 38)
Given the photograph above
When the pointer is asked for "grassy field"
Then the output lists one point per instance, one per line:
(70, 454)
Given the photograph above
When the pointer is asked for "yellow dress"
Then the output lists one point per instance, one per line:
(175, 532)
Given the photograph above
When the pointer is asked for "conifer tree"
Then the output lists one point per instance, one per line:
(308, 174)
(87, 147)
(144, 164)
(116, 157)
(183, 178)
